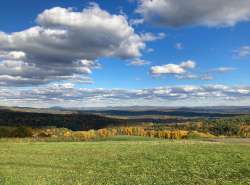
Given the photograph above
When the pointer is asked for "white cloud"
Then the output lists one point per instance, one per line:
(188, 64)
(12, 55)
(152, 37)
(69, 95)
(180, 71)
(100, 32)
(136, 21)
(243, 51)
(212, 13)
(206, 77)
(173, 68)
(139, 62)
(223, 69)
(187, 76)
(68, 43)
(190, 76)
(167, 69)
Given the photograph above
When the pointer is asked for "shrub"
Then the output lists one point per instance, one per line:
(5, 132)
(22, 132)
(44, 134)
(103, 132)
(245, 131)
(84, 135)
(198, 135)
(67, 134)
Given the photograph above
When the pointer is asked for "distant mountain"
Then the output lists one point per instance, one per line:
(216, 111)
(211, 109)
(175, 113)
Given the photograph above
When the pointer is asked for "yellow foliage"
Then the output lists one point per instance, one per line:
(67, 134)
(245, 131)
(196, 134)
(104, 132)
(84, 135)
(130, 131)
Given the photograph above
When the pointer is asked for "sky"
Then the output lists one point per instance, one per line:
(124, 53)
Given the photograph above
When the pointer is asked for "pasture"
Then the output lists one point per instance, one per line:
(124, 160)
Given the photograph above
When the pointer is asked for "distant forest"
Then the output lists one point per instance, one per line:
(76, 121)
(79, 121)
(70, 121)
(180, 113)
(84, 121)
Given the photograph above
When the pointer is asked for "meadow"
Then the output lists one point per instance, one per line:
(128, 160)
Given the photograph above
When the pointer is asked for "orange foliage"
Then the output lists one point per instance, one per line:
(130, 131)
(245, 131)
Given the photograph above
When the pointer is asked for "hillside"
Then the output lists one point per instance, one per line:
(73, 121)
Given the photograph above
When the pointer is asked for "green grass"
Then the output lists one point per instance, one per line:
(124, 162)
(127, 138)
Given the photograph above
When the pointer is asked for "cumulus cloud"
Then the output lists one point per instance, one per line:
(181, 71)
(188, 64)
(94, 32)
(69, 95)
(67, 43)
(212, 13)
(12, 55)
(173, 68)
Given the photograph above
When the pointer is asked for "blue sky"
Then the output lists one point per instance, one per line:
(203, 46)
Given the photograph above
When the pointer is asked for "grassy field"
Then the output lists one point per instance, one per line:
(124, 160)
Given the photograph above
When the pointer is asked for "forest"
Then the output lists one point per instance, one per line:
(88, 125)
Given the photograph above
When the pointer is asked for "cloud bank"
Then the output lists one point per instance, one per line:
(69, 95)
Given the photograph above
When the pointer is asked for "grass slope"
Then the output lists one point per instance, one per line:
(124, 162)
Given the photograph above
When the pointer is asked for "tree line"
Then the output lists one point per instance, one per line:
(70, 121)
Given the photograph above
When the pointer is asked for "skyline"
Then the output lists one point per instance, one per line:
(124, 53)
